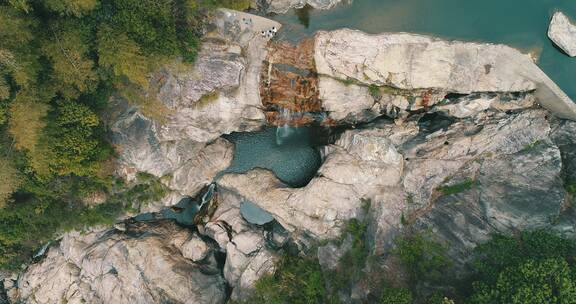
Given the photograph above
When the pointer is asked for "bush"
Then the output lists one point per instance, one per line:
(297, 280)
(457, 188)
(29, 223)
(534, 267)
(533, 281)
(424, 259)
(397, 296)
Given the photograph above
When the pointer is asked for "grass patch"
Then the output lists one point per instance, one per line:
(374, 91)
(239, 5)
(457, 188)
(532, 145)
(571, 188)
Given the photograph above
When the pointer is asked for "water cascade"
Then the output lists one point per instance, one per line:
(285, 131)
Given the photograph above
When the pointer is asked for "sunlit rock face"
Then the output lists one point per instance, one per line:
(444, 136)
(142, 263)
(562, 32)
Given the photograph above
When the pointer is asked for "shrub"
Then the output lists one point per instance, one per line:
(397, 296)
(424, 259)
(534, 267)
(297, 280)
(457, 188)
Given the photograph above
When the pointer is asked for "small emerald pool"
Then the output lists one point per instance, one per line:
(289, 152)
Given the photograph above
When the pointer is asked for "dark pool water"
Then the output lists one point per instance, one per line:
(520, 23)
(289, 153)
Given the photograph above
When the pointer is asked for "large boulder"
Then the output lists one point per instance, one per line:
(355, 77)
(144, 263)
(248, 254)
(413, 71)
(192, 165)
(563, 33)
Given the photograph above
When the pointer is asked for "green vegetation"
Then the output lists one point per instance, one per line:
(297, 280)
(424, 259)
(374, 91)
(10, 181)
(457, 188)
(60, 62)
(207, 99)
(532, 145)
(535, 267)
(397, 296)
(571, 188)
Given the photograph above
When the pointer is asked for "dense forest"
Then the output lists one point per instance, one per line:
(60, 61)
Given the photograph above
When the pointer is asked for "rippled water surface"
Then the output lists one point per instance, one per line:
(520, 23)
(288, 153)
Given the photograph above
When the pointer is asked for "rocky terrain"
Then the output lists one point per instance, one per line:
(563, 32)
(282, 6)
(462, 139)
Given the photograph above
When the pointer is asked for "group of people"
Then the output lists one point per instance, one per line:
(269, 33)
(247, 21)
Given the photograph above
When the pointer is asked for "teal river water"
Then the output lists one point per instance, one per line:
(520, 23)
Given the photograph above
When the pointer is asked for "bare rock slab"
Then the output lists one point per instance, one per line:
(563, 33)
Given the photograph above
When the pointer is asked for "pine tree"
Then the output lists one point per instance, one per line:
(116, 51)
(73, 72)
(10, 180)
(26, 120)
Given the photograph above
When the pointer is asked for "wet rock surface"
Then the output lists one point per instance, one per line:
(562, 32)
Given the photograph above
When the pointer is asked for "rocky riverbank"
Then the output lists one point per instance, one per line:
(461, 139)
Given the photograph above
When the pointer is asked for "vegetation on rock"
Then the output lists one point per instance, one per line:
(457, 188)
(534, 267)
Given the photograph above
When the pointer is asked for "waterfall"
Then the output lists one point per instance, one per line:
(284, 131)
(207, 195)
